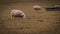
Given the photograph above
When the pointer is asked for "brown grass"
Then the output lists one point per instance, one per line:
(36, 22)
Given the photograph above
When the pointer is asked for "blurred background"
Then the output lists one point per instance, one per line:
(36, 22)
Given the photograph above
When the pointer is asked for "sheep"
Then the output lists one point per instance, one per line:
(37, 7)
(17, 13)
(57, 6)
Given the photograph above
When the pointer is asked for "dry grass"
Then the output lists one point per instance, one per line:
(37, 22)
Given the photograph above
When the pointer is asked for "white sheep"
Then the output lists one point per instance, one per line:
(17, 13)
(36, 7)
(57, 5)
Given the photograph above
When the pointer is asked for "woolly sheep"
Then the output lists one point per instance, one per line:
(17, 13)
(36, 7)
(57, 5)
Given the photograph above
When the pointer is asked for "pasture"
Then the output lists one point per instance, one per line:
(36, 21)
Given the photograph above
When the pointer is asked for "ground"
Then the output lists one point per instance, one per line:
(36, 21)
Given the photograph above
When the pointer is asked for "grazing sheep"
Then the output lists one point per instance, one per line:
(57, 5)
(37, 7)
(17, 13)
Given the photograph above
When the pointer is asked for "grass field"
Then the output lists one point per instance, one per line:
(36, 21)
